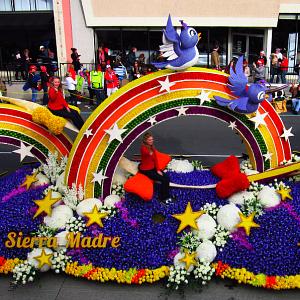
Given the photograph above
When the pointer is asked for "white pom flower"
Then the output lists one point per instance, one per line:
(180, 166)
(87, 205)
(60, 216)
(250, 172)
(268, 197)
(240, 197)
(228, 216)
(37, 252)
(206, 227)
(111, 200)
(41, 180)
(178, 263)
(206, 251)
(62, 238)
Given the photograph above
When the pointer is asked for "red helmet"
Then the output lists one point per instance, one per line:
(32, 68)
(43, 69)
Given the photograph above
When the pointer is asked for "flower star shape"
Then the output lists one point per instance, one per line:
(182, 111)
(44, 259)
(24, 151)
(30, 179)
(152, 121)
(259, 119)
(188, 259)
(95, 217)
(287, 133)
(45, 204)
(165, 85)
(88, 133)
(115, 133)
(284, 193)
(267, 156)
(98, 177)
(247, 222)
(232, 125)
(203, 97)
(188, 218)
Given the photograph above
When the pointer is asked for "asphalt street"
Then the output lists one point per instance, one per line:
(206, 137)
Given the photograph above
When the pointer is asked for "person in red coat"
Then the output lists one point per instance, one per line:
(149, 167)
(111, 80)
(284, 68)
(59, 106)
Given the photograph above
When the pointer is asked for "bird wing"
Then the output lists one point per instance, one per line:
(171, 42)
(223, 101)
(239, 104)
(237, 80)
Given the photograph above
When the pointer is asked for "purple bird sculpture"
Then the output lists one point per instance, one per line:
(180, 50)
(249, 97)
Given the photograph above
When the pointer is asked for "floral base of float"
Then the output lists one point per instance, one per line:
(251, 237)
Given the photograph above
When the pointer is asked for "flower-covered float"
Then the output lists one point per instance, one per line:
(70, 213)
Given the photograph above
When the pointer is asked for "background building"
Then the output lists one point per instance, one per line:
(238, 26)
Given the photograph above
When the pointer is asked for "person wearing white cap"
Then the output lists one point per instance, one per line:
(111, 80)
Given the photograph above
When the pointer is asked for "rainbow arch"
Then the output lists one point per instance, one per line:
(132, 106)
(16, 126)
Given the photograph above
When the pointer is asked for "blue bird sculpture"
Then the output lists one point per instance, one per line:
(249, 97)
(180, 50)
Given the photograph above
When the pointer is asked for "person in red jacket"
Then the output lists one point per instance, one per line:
(59, 106)
(111, 80)
(148, 167)
(284, 68)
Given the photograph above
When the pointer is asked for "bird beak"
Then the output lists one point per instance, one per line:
(276, 89)
(199, 36)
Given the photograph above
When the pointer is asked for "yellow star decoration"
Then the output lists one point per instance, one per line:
(30, 179)
(247, 222)
(95, 217)
(44, 259)
(45, 205)
(284, 193)
(189, 259)
(188, 218)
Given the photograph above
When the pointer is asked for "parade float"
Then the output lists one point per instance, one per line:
(69, 212)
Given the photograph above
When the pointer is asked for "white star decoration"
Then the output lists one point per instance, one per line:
(232, 125)
(204, 96)
(182, 111)
(88, 133)
(165, 85)
(268, 156)
(287, 133)
(115, 133)
(152, 120)
(98, 177)
(24, 151)
(259, 119)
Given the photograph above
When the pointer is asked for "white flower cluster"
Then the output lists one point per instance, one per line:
(178, 276)
(111, 211)
(189, 241)
(203, 272)
(197, 164)
(59, 260)
(72, 196)
(54, 166)
(221, 236)
(294, 158)
(180, 166)
(279, 185)
(23, 273)
(255, 187)
(247, 168)
(211, 208)
(76, 225)
(118, 189)
(44, 231)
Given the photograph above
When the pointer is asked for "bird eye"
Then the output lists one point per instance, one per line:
(261, 95)
(192, 32)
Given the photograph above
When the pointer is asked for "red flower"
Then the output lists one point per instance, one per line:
(270, 281)
(138, 275)
(2, 261)
(221, 268)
